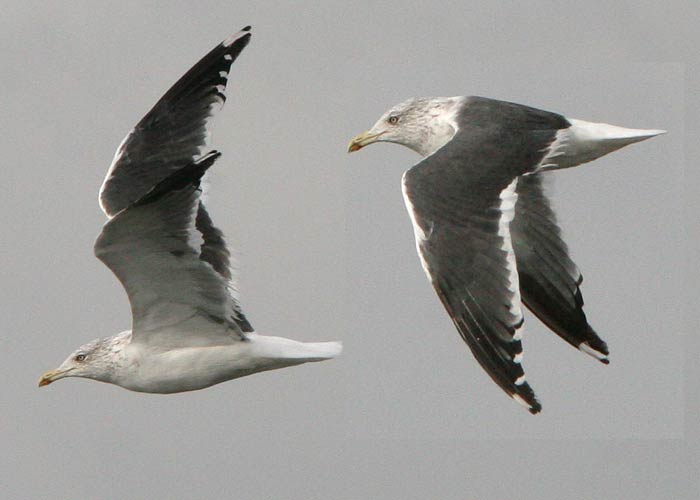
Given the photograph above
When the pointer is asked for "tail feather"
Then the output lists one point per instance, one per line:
(319, 351)
(585, 141)
(299, 352)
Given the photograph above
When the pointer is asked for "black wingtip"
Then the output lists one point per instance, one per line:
(247, 28)
(530, 403)
(525, 396)
(189, 175)
(596, 348)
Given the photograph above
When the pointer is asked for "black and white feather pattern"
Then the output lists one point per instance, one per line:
(174, 132)
(173, 264)
(549, 280)
(472, 205)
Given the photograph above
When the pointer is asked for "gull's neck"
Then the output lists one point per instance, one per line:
(441, 125)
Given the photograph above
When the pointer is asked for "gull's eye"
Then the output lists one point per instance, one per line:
(393, 120)
(80, 357)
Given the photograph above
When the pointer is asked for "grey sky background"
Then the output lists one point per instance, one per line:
(325, 251)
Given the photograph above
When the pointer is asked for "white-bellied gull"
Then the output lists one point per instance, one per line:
(188, 330)
(486, 235)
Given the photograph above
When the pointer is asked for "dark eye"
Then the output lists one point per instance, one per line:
(80, 357)
(393, 119)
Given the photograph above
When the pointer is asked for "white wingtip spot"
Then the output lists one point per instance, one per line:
(231, 39)
(220, 98)
(518, 358)
(585, 347)
(521, 401)
(520, 380)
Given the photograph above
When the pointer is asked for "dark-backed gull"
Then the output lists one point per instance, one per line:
(485, 232)
(188, 330)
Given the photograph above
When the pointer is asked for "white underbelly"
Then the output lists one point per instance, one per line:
(193, 368)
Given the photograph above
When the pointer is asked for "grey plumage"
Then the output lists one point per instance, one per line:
(188, 330)
(485, 231)
(154, 249)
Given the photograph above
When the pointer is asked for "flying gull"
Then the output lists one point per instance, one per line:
(485, 232)
(188, 330)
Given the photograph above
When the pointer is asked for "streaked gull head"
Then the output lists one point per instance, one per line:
(98, 359)
(422, 124)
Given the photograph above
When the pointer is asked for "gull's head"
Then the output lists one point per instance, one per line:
(95, 360)
(423, 124)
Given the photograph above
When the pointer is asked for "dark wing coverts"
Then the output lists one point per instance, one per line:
(461, 199)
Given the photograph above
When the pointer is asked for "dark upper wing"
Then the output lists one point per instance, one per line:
(168, 265)
(461, 200)
(549, 279)
(174, 132)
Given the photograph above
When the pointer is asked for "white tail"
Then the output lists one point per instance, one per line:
(283, 349)
(323, 350)
(586, 141)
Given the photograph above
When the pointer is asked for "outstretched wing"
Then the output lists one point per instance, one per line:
(174, 132)
(461, 200)
(173, 264)
(549, 279)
